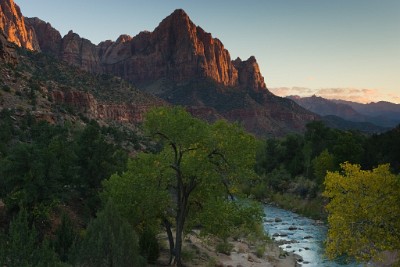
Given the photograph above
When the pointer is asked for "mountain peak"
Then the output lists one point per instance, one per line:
(179, 13)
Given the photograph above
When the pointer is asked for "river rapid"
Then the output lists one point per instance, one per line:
(302, 236)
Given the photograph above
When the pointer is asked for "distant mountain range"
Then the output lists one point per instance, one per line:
(385, 115)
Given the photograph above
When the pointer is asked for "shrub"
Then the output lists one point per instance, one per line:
(149, 247)
(109, 241)
(224, 247)
(260, 250)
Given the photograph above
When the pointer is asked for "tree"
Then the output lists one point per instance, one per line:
(199, 165)
(321, 164)
(65, 235)
(21, 247)
(363, 212)
(109, 241)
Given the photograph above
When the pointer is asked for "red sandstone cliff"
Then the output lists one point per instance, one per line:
(177, 50)
(179, 62)
(7, 50)
(13, 24)
(95, 109)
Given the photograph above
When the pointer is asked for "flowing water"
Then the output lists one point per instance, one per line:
(302, 236)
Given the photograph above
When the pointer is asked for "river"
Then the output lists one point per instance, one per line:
(299, 235)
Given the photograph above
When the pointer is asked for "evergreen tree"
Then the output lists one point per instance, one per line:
(109, 241)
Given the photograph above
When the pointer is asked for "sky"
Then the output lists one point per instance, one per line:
(343, 49)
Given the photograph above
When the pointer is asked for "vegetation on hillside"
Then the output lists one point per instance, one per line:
(77, 193)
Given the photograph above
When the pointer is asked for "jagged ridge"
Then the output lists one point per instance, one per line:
(185, 65)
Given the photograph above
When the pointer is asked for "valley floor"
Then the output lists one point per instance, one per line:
(200, 252)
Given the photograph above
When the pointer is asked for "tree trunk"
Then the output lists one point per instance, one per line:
(180, 222)
(168, 226)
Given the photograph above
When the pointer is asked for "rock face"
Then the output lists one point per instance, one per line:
(79, 52)
(13, 24)
(88, 104)
(49, 39)
(179, 62)
(7, 50)
(177, 50)
(249, 74)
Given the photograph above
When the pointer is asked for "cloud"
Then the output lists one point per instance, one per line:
(361, 95)
(286, 91)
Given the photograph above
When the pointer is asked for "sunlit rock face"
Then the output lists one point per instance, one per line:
(179, 62)
(12, 23)
(177, 49)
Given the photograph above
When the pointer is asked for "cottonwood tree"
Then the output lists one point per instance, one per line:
(192, 180)
(364, 212)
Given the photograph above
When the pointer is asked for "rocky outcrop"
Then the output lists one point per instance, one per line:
(86, 103)
(184, 65)
(80, 52)
(7, 50)
(176, 50)
(13, 24)
(249, 74)
(49, 38)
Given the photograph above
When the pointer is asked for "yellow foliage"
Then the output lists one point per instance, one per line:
(364, 212)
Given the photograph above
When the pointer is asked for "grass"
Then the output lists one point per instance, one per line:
(312, 208)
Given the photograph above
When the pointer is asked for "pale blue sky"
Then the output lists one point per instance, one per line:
(334, 48)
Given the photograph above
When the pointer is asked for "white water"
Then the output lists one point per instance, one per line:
(306, 241)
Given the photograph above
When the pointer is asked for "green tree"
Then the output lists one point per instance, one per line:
(198, 166)
(363, 212)
(65, 235)
(348, 147)
(21, 247)
(321, 164)
(109, 241)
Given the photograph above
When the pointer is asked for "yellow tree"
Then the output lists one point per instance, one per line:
(364, 212)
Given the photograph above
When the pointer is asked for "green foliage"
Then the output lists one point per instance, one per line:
(109, 241)
(149, 247)
(348, 147)
(196, 170)
(260, 250)
(363, 212)
(224, 247)
(383, 148)
(98, 159)
(22, 247)
(65, 235)
(135, 190)
(321, 164)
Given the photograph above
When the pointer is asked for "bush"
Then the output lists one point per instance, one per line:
(260, 251)
(22, 247)
(224, 247)
(65, 236)
(149, 247)
(109, 241)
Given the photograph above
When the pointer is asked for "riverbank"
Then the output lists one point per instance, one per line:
(310, 208)
(244, 253)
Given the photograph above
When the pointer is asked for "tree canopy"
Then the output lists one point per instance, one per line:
(195, 177)
(364, 212)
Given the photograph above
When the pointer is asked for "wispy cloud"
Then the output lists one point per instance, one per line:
(361, 95)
